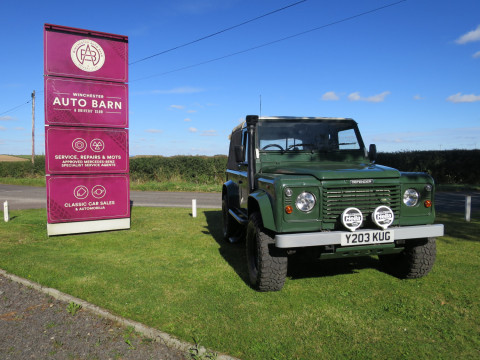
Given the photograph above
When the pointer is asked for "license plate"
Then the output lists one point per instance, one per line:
(368, 237)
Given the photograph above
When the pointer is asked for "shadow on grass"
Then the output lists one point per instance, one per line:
(304, 264)
(234, 254)
(300, 266)
(457, 227)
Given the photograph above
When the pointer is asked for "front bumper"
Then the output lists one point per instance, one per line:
(333, 237)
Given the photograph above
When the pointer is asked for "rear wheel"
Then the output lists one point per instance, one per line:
(414, 262)
(267, 264)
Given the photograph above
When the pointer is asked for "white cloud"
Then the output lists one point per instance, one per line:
(179, 90)
(418, 97)
(477, 55)
(191, 111)
(19, 128)
(187, 120)
(192, 129)
(374, 98)
(177, 107)
(209, 133)
(154, 131)
(330, 96)
(471, 36)
(354, 96)
(3, 128)
(459, 98)
(6, 118)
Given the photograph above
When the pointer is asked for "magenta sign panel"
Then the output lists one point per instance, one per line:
(86, 140)
(89, 197)
(86, 150)
(85, 54)
(85, 103)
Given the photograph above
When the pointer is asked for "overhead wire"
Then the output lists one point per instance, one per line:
(273, 42)
(15, 108)
(218, 32)
(194, 41)
(245, 50)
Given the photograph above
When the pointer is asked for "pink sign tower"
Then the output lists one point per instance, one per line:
(86, 130)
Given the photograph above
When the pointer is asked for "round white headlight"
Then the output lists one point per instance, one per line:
(410, 197)
(305, 201)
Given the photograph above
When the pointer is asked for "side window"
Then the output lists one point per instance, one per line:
(245, 146)
(347, 140)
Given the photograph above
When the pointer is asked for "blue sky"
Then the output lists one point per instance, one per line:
(409, 74)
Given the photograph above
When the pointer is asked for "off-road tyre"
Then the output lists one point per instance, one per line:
(230, 227)
(267, 264)
(414, 262)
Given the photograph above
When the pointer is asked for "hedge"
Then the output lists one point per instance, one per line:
(193, 169)
(446, 167)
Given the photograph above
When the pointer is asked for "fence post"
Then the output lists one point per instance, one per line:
(194, 208)
(5, 211)
(468, 207)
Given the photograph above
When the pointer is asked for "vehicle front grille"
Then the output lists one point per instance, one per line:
(335, 200)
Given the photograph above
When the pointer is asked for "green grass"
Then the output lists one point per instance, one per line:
(134, 185)
(174, 186)
(174, 272)
(27, 181)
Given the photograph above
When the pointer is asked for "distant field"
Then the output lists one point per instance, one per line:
(11, 158)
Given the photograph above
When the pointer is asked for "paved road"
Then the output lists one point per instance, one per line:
(27, 197)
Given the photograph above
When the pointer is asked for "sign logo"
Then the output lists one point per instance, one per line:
(383, 217)
(352, 218)
(97, 145)
(87, 55)
(98, 191)
(80, 192)
(79, 145)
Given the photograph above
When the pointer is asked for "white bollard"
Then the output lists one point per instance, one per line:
(194, 208)
(5, 211)
(468, 207)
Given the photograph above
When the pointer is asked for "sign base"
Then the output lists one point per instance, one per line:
(79, 227)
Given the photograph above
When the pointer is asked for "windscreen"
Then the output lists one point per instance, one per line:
(313, 136)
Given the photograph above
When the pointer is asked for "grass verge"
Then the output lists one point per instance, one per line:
(134, 185)
(175, 273)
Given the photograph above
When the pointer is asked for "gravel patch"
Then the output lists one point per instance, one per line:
(34, 325)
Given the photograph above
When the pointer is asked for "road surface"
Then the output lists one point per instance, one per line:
(28, 197)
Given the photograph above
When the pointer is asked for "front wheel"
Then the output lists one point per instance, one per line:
(414, 262)
(267, 264)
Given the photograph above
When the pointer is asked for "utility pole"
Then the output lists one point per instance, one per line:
(33, 127)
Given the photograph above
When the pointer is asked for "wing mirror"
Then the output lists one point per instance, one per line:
(372, 153)
(239, 154)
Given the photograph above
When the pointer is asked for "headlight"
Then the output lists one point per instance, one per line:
(305, 201)
(410, 197)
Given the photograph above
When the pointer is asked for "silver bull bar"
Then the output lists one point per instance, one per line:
(334, 237)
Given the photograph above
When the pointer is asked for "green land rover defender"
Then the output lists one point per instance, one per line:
(296, 184)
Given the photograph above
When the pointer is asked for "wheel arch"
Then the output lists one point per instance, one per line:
(230, 190)
(259, 201)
